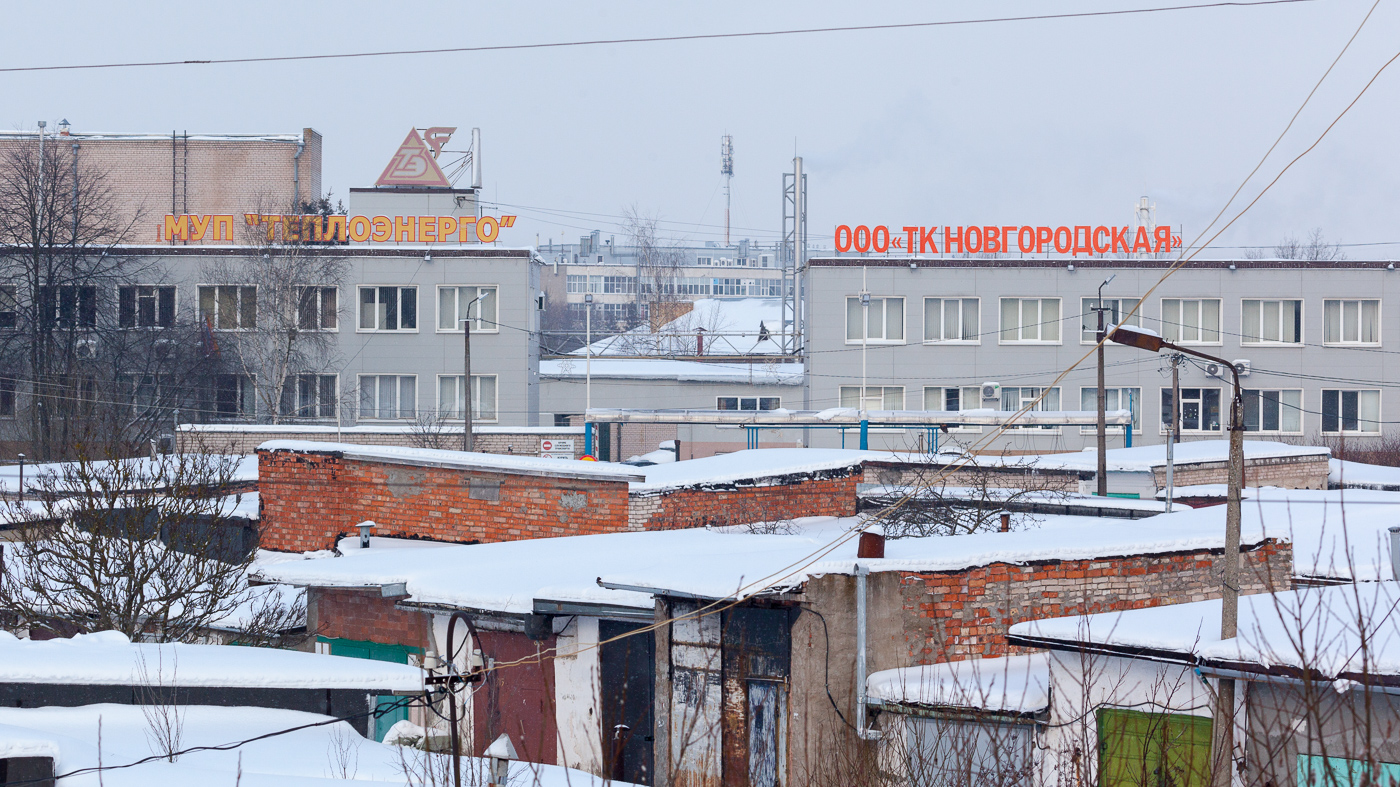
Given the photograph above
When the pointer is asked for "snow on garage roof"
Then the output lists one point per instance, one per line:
(1009, 684)
(108, 658)
(491, 463)
(1141, 459)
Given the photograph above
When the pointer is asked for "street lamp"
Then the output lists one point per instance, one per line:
(587, 367)
(1230, 576)
(467, 442)
(1103, 427)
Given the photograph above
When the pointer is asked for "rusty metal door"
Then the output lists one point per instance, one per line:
(757, 655)
(767, 710)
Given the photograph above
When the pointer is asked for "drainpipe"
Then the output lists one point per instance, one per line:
(1394, 544)
(296, 175)
(861, 730)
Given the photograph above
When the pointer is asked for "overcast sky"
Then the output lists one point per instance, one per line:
(1047, 122)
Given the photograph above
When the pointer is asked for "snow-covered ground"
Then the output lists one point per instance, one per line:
(332, 753)
(1144, 458)
(154, 471)
(1357, 475)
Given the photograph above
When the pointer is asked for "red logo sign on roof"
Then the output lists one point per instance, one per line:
(413, 165)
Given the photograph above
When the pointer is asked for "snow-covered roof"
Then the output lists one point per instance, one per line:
(1049, 498)
(369, 429)
(1358, 475)
(1008, 684)
(732, 326)
(155, 471)
(108, 658)
(493, 463)
(680, 371)
(720, 563)
(751, 465)
(1315, 628)
(1141, 459)
(329, 754)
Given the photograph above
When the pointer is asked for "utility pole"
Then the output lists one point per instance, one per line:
(1174, 426)
(1224, 723)
(726, 168)
(467, 384)
(1103, 427)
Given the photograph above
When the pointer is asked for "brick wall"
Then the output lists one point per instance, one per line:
(366, 616)
(817, 495)
(919, 474)
(307, 499)
(493, 442)
(966, 614)
(1306, 472)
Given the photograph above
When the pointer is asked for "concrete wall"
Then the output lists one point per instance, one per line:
(831, 281)
(577, 712)
(815, 494)
(1308, 472)
(520, 441)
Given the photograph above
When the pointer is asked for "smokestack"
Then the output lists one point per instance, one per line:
(872, 544)
(1006, 521)
(476, 162)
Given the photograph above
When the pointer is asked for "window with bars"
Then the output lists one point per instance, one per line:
(229, 307)
(7, 397)
(1351, 322)
(233, 396)
(309, 396)
(1271, 321)
(1114, 399)
(884, 321)
(9, 308)
(388, 396)
(1191, 320)
(387, 309)
(145, 306)
(451, 403)
(1273, 411)
(457, 303)
(318, 308)
(952, 320)
(1348, 412)
(1115, 314)
(877, 397)
(1030, 320)
(1200, 409)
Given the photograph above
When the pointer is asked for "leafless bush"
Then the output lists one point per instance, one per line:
(936, 502)
(431, 430)
(343, 752)
(157, 692)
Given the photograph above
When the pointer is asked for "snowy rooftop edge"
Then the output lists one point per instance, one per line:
(522, 465)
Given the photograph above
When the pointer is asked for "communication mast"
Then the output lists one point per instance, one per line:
(726, 168)
(793, 255)
(1146, 217)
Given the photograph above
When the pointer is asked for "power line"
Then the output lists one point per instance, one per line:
(654, 39)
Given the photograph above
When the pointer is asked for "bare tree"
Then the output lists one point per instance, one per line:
(94, 350)
(160, 702)
(273, 314)
(1313, 247)
(143, 547)
(658, 269)
(932, 502)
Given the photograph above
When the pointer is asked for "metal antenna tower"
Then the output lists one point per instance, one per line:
(793, 255)
(726, 168)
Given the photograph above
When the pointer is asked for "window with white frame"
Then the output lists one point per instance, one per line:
(388, 308)
(318, 308)
(388, 396)
(1030, 320)
(1200, 409)
(146, 306)
(1115, 313)
(9, 307)
(309, 396)
(451, 401)
(883, 323)
(1351, 322)
(1013, 399)
(1191, 320)
(1357, 412)
(951, 399)
(748, 402)
(877, 397)
(952, 320)
(457, 303)
(229, 307)
(1271, 321)
(1273, 411)
(147, 393)
(1113, 399)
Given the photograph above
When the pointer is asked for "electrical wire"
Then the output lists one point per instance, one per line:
(656, 39)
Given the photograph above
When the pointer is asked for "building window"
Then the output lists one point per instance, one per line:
(1013, 399)
(1356, 412)
(1113, 399)
(704, 261)
(748, 402)
(1191, 320)
(309, 396)
(451, 403)
(1200, 409)
(951, 320)
(1030, 320)
(620, 284)
(1271, 322)
(145, 306)
(234, 396)
(459, 303)
(388, 396)
(952, 400)
(1117, 310)
(318, 308)
(68, 306)
(888, 397)
(9, 308)
(1273, 411)
(228, 307)
(388, 308)
(7, 397)
(146, 392)
(1351, 322)
(885, 321)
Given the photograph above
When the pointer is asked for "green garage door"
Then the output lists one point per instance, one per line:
(377, 651)
(1153, 749)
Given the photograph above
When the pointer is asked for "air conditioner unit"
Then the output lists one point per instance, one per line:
(1214, 370)
(1243, 367)
(991, 390)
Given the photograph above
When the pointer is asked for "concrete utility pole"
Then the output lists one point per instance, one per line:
(467, 441)
(1103, 427)
(1173, 427)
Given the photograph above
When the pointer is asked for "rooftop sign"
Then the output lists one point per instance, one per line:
(415, 162)
(337, 229)
(999, 238)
